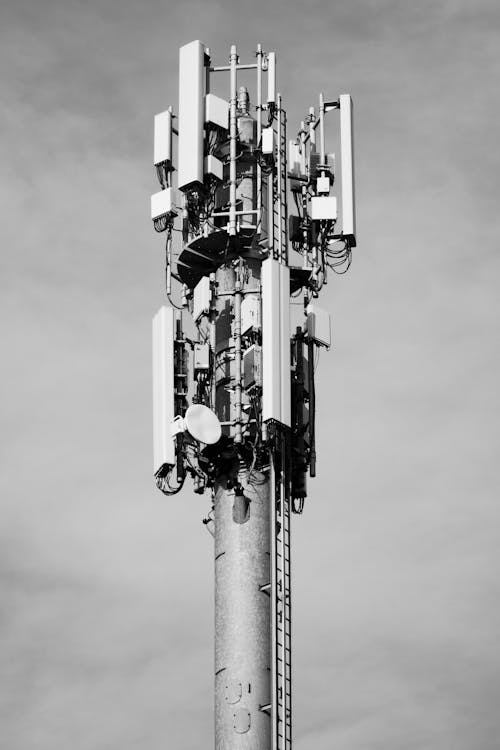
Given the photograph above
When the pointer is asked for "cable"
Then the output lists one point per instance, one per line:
(343, 258)
(196, 469)
(160, 224)
(163, 484)
(297, 504)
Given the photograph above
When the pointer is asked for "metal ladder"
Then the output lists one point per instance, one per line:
(280, 213)
(281, 616)
(281, 695)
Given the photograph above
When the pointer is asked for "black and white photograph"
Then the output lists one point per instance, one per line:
(250, 404)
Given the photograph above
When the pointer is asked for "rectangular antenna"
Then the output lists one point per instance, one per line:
(163, 138)
(276, 401)
(285, 372)
(347, 168)
(271, 377)
(271, 77)
(163, 387)
(191, 114)
(201, 298)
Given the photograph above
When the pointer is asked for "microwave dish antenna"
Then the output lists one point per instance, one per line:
(203, 424)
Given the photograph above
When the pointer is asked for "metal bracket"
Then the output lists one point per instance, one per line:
(265, 588)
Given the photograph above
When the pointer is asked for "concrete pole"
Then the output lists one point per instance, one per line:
(242, 504)
(242, 614)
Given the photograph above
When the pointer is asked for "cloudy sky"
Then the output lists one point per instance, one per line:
(107, 615)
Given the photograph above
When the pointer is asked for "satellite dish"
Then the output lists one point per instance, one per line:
(202, 424)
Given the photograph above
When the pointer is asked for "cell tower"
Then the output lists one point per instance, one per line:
(234, 399)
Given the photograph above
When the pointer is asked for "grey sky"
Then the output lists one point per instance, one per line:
(106, 586)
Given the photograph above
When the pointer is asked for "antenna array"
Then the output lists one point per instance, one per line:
(234, 397)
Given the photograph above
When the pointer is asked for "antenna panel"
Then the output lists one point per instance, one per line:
(318, 325)
(216, 111)
(250, 314)
(275, 340)
(323, 207)
(191, 114)
(271, 376)
(271, 77)
(163, 203)
(163, 387)
(347, 168)
(214, 167)
(285, 344)
(163, 138)
(294, 158)
(268, 141)
(201, 298)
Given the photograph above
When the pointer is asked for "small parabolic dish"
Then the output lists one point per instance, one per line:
(202, 424)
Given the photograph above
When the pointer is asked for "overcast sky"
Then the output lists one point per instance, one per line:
(107, 614)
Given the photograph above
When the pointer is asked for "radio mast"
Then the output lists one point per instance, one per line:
(234, 400)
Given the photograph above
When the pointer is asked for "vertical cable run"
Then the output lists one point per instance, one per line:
(237, 356)
(279, 186)
(284, 158)
(213, 342)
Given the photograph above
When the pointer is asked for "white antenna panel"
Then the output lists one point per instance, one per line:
(318, 325)
(347, 167)
(323, 207)
(214, 167)
(163, 387)
(250, 314)
(163, 138)
(217, 111)
(286, 397)
(163, 203)
(191, 114)
(201, 298)
(271, 77)
(294, 159)
(268, 141)
(276, 399)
